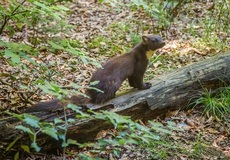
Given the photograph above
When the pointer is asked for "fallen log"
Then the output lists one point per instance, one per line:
(170, 91)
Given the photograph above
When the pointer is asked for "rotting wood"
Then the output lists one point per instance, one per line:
(170, 91)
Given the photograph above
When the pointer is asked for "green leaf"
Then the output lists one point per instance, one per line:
(11, 29)
(132, 141)
(71, 141)
(62, 137)
(16, 156)
(172, 126)
(159, 127)
(25, 56)
(14, 57)
(18, 116)
(55, 88)
(63, 8)
(35, 146)
(55, 46)
(25, 129)
(52, 132)
(82, 115)
(71, 120)
(61, 127)
(94, 83)
(12, 144)
(78, 110)
(73, 107)
(84, 60)
(32, 121)
(26, 148)
(102, 142)
(58, 121)
(122, 141)
(19, 25)
(117, 152)
(151, 137)
(40, 5)
(64, 144)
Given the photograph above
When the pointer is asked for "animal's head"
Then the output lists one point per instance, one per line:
(152, 42)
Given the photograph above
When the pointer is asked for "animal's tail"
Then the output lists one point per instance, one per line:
(79, 100)
(55, 105)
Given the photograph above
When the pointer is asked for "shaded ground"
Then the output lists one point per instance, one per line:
(104, 31)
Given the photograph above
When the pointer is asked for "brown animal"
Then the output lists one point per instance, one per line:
(131, 65)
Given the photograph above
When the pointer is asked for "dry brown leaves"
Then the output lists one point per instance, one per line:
(200, 131)
(92, 20)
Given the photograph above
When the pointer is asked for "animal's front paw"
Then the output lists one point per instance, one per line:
(147, 85)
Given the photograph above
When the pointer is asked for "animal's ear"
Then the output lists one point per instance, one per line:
(145, 39)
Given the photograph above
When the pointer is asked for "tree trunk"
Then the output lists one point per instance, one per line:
(170, 91)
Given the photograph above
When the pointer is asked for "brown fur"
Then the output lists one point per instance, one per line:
(131, 66)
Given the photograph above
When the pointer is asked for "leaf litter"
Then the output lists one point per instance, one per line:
(95, 20)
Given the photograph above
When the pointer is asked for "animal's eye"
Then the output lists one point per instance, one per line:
(153, 40)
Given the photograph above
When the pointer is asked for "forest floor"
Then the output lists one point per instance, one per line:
(104, 31)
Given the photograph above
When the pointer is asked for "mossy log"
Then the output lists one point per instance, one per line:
(170, 91)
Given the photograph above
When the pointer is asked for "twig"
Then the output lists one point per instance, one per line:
(174, 10)
(7, 18)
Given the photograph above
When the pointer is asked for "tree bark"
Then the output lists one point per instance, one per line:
(170, 91)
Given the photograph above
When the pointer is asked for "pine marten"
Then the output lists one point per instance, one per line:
(131, 66)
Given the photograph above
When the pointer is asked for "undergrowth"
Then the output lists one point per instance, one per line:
(206, 29)
(216, 103)
(152, 140)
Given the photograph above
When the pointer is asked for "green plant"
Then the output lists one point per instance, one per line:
(27, 68)
(57, 129)
(215, 103)
(36, 15)
(14, 52)
(7, 14)
(32, 13)
(67, 46)
(198, 147)
(161, 12)
(135, 38)
(34, 128)
(211, 29)
(149, 139)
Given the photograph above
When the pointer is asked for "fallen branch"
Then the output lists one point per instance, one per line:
(170, 91)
